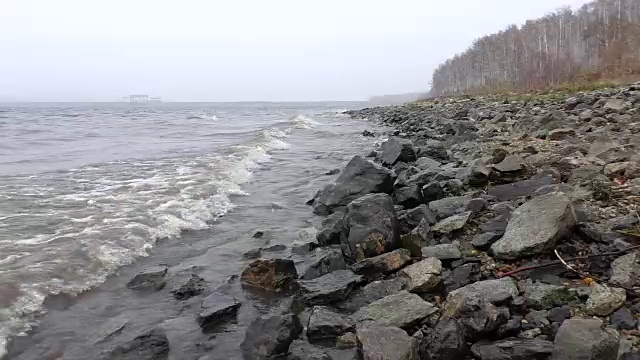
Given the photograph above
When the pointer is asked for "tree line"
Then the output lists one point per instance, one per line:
(600, 40)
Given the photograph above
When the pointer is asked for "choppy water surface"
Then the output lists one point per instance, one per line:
(86, 189)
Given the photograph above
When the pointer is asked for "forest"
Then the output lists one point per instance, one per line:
(598, 42)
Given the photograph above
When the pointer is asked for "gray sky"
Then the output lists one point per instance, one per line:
(234, 50)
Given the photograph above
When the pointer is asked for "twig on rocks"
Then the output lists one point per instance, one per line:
(582, 274)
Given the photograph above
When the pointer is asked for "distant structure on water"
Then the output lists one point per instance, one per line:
(141, 99)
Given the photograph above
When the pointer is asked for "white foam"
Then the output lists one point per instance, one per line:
(303, 122)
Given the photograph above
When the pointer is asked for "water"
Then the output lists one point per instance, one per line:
(93, 190)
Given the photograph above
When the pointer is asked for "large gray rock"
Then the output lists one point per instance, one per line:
(333, 287)
(370, 228)
(378, 266)
(325, 323)
(402, 309)
(386, 343)
(151, 279)
(535, 227)
(410, 219)
(277, 275)
(423, 276)
(452, 223)
(325, 262)
(496, 292)
(151, 345)
(442, 252)
(604, 300)
(408, 196)
(329, 233)
(217, 307)
(373, 292)
(625, 270)
(445, 342)
(518, 189)
(585, 339)
(513, 349)
(394, 150)
(360, 177)
(540, 295)
(512, 163)
(270, 336)
(447, 207)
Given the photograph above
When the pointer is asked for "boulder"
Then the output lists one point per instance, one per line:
(433, 191)
(445, 342)
(381, 265)
(192, 287)
(217, 307)
(434, 149)
(442, 252)
(373, 292)
(370, 228)
(535, 227)
(423, 276)
(271, 275)
(497, 292)
(333, 287)
(151, 279)
(512, 163)
(625, 271)
(325, 263)
(151, 345)
(360, 177)
(270, 336)
(417, 239)
(410, 219)
(325, 324)
(447, 207)
(478, 317)
(485, 240)
(330, 230)
(579, 339)
(539, 295)
(559, 314)
(394, 150)
(604, 299)
(402, 309)
(302, 350)
(386, 343)
(623, 319)
(408, 196)
(519, 189)
(461, 276)
(452, 223)
(513, 349)
(347, 341)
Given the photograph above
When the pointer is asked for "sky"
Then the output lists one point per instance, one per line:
(239, 50)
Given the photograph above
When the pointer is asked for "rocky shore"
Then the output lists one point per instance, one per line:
(482, 228)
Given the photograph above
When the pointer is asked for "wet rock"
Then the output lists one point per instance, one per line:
(275, 248)
(539, 295)
(513, 349)
(561, 134)
(409, 219)
(302, 350)
(253, 254)
(625, 271)
(151, 279)
(484, 240)
(325, 324)
(151, 345)
(394, 150)
(325, 263)
(215, 308)
(402, 309)
(423, 276)
(535, 227)
(329, 288)
(194, 286)
(360, 177)
(447, 207)
(559, 314)
(622, 319)
(347, 341)
(408, 196)
(258, 234)
(461, 276)
(329, 233)
(373, 292)
(585, 339)
(512, 163)
(452, 223)
(271, 274)
(495, 291)
(270, 336)
(445, 342)
(604, 299)
(378, 266)
(386, 343)
(442, 252)
(370, 228)
(368, 133)
(478, 317)
(519, 189)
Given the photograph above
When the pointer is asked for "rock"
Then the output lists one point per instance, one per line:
(512, 163)
(151, 345)
(329, 233)
(394, 150)
(445, 342)
(561, 134)
(447, 207)
(326, 324)
(423, 276)
(410, 219)
(417, 239)
(402, 309)
(270, 336)
(433, 191)
(442, 252)
(452, 223)
(215, 308)
(625, 271)
(530, 334)
(425, 163)
(347, 341)
(511, 328)
(604, 299)
(478, 173)
(535, 227)
(559, 314)
(258, 234)
(478, 317)
(271, 274)
(616, 169)
(370, 228)
(519, 189)
(378, 266)
(423, 177)
(476, 205)
(386, 343)
(253, 254)
(329, 288)
(537, 318)
(275, 248)
(360, 177)
(368, 133)
(404, 176)
(325, 263)
(461, 276)
(617, 105)
(484, 240)
(435, 150)
(513, 349)
(579, 339)
(332, 172)
(622, 319)
(302, 350)
(373, 292)
(151, 279)
(539, 295)
(408, 196)
(194, 286)
(495, 291)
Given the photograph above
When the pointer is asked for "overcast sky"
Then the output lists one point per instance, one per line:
(235, 50)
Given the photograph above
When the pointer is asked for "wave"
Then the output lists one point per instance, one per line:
(303, 122)
(202, 117)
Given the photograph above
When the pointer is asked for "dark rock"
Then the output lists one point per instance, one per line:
(151, 279)
(519, 189)
(394, 150)
(275, 248)
(216, 308)
(271, 274)
(360, 177)
(513, 349)
(404, 176)
(378, 266)
(332, 172)
(497, 225)
(585, 339)
(622, 319)
(559, 314)
(495, 291)
(258, 234)
(302, 350)
(329, 233)
(461, 276)
(151, 345)
(325, 263)
(447, 207)
(370, 228)
(253, 254)
(373, 292)
(484, 240)
(194, 286)
(409, 219)
(561, 134)
(333, 287)
(445, 342)
(435, 150)
(432, 191)
(477, 205)
(537, 318)
(478, 317)
(417, 239)
(442, 252)
(368, 133)
(326, 324)
(270, 336)
(478, 174)
(408, 196)
(423, 177)
(402, 309)
(386, 343)
(511, 328)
